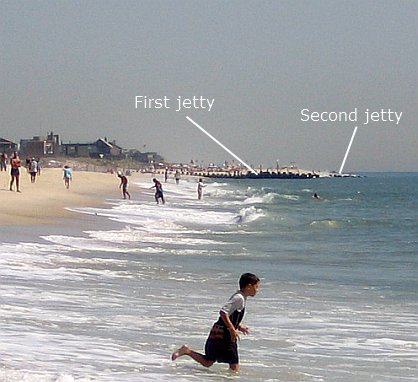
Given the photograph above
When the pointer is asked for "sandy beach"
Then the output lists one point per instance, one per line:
(47, 199)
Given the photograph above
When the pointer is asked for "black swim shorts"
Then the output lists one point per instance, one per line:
(219, 346)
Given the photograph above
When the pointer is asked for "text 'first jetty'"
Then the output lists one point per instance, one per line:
(145, 102)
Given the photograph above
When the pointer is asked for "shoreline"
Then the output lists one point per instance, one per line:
(47, 200)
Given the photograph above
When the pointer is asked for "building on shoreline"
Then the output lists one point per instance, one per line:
(101, 148)
(52, 146)
(7, 146)
(143, 157)
(41, 146)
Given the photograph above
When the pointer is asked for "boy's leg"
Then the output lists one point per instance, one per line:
(234, 367)
(185, 350)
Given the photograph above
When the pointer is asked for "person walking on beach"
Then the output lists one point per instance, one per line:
(124, 185)
(39, 166)
(27, 163)
(221, 344)
(3, 162)
(33, 170)
(15, 171)
(200, 186)
(68, 176)
(158, 191)
(177, 176)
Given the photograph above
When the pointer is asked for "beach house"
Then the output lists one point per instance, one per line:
(7, 146)
(39, 147)
(98, 149)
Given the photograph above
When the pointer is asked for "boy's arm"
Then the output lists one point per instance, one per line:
(242, 328)
(234, 333)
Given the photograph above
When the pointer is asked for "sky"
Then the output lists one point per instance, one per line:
(76, 68)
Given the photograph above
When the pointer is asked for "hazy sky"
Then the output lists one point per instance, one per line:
(75, 67)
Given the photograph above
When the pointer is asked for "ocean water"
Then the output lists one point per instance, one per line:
(112, 295)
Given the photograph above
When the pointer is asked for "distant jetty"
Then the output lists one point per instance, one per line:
(236, 172)
(263, 175)
(298, 174)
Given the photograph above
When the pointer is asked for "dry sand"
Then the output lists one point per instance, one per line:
(46, 199)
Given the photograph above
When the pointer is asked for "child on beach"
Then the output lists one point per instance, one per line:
(68, 175)
(221, 345)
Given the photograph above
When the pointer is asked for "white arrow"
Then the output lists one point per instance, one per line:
(223, 146)
(348, 150)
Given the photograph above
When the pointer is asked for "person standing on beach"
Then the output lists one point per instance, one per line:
(68, 176)
(124, 185)
(158, 191)
(200, 186)
(33, 170)
(177, 176)
(15, 171)
(27, 162)
(39, 166)
(221, 345)
(3, 162)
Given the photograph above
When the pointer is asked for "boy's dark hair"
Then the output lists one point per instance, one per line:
(248, 279)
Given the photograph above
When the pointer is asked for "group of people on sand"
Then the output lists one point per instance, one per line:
(32, 166)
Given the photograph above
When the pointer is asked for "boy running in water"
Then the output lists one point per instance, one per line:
(221, 345)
